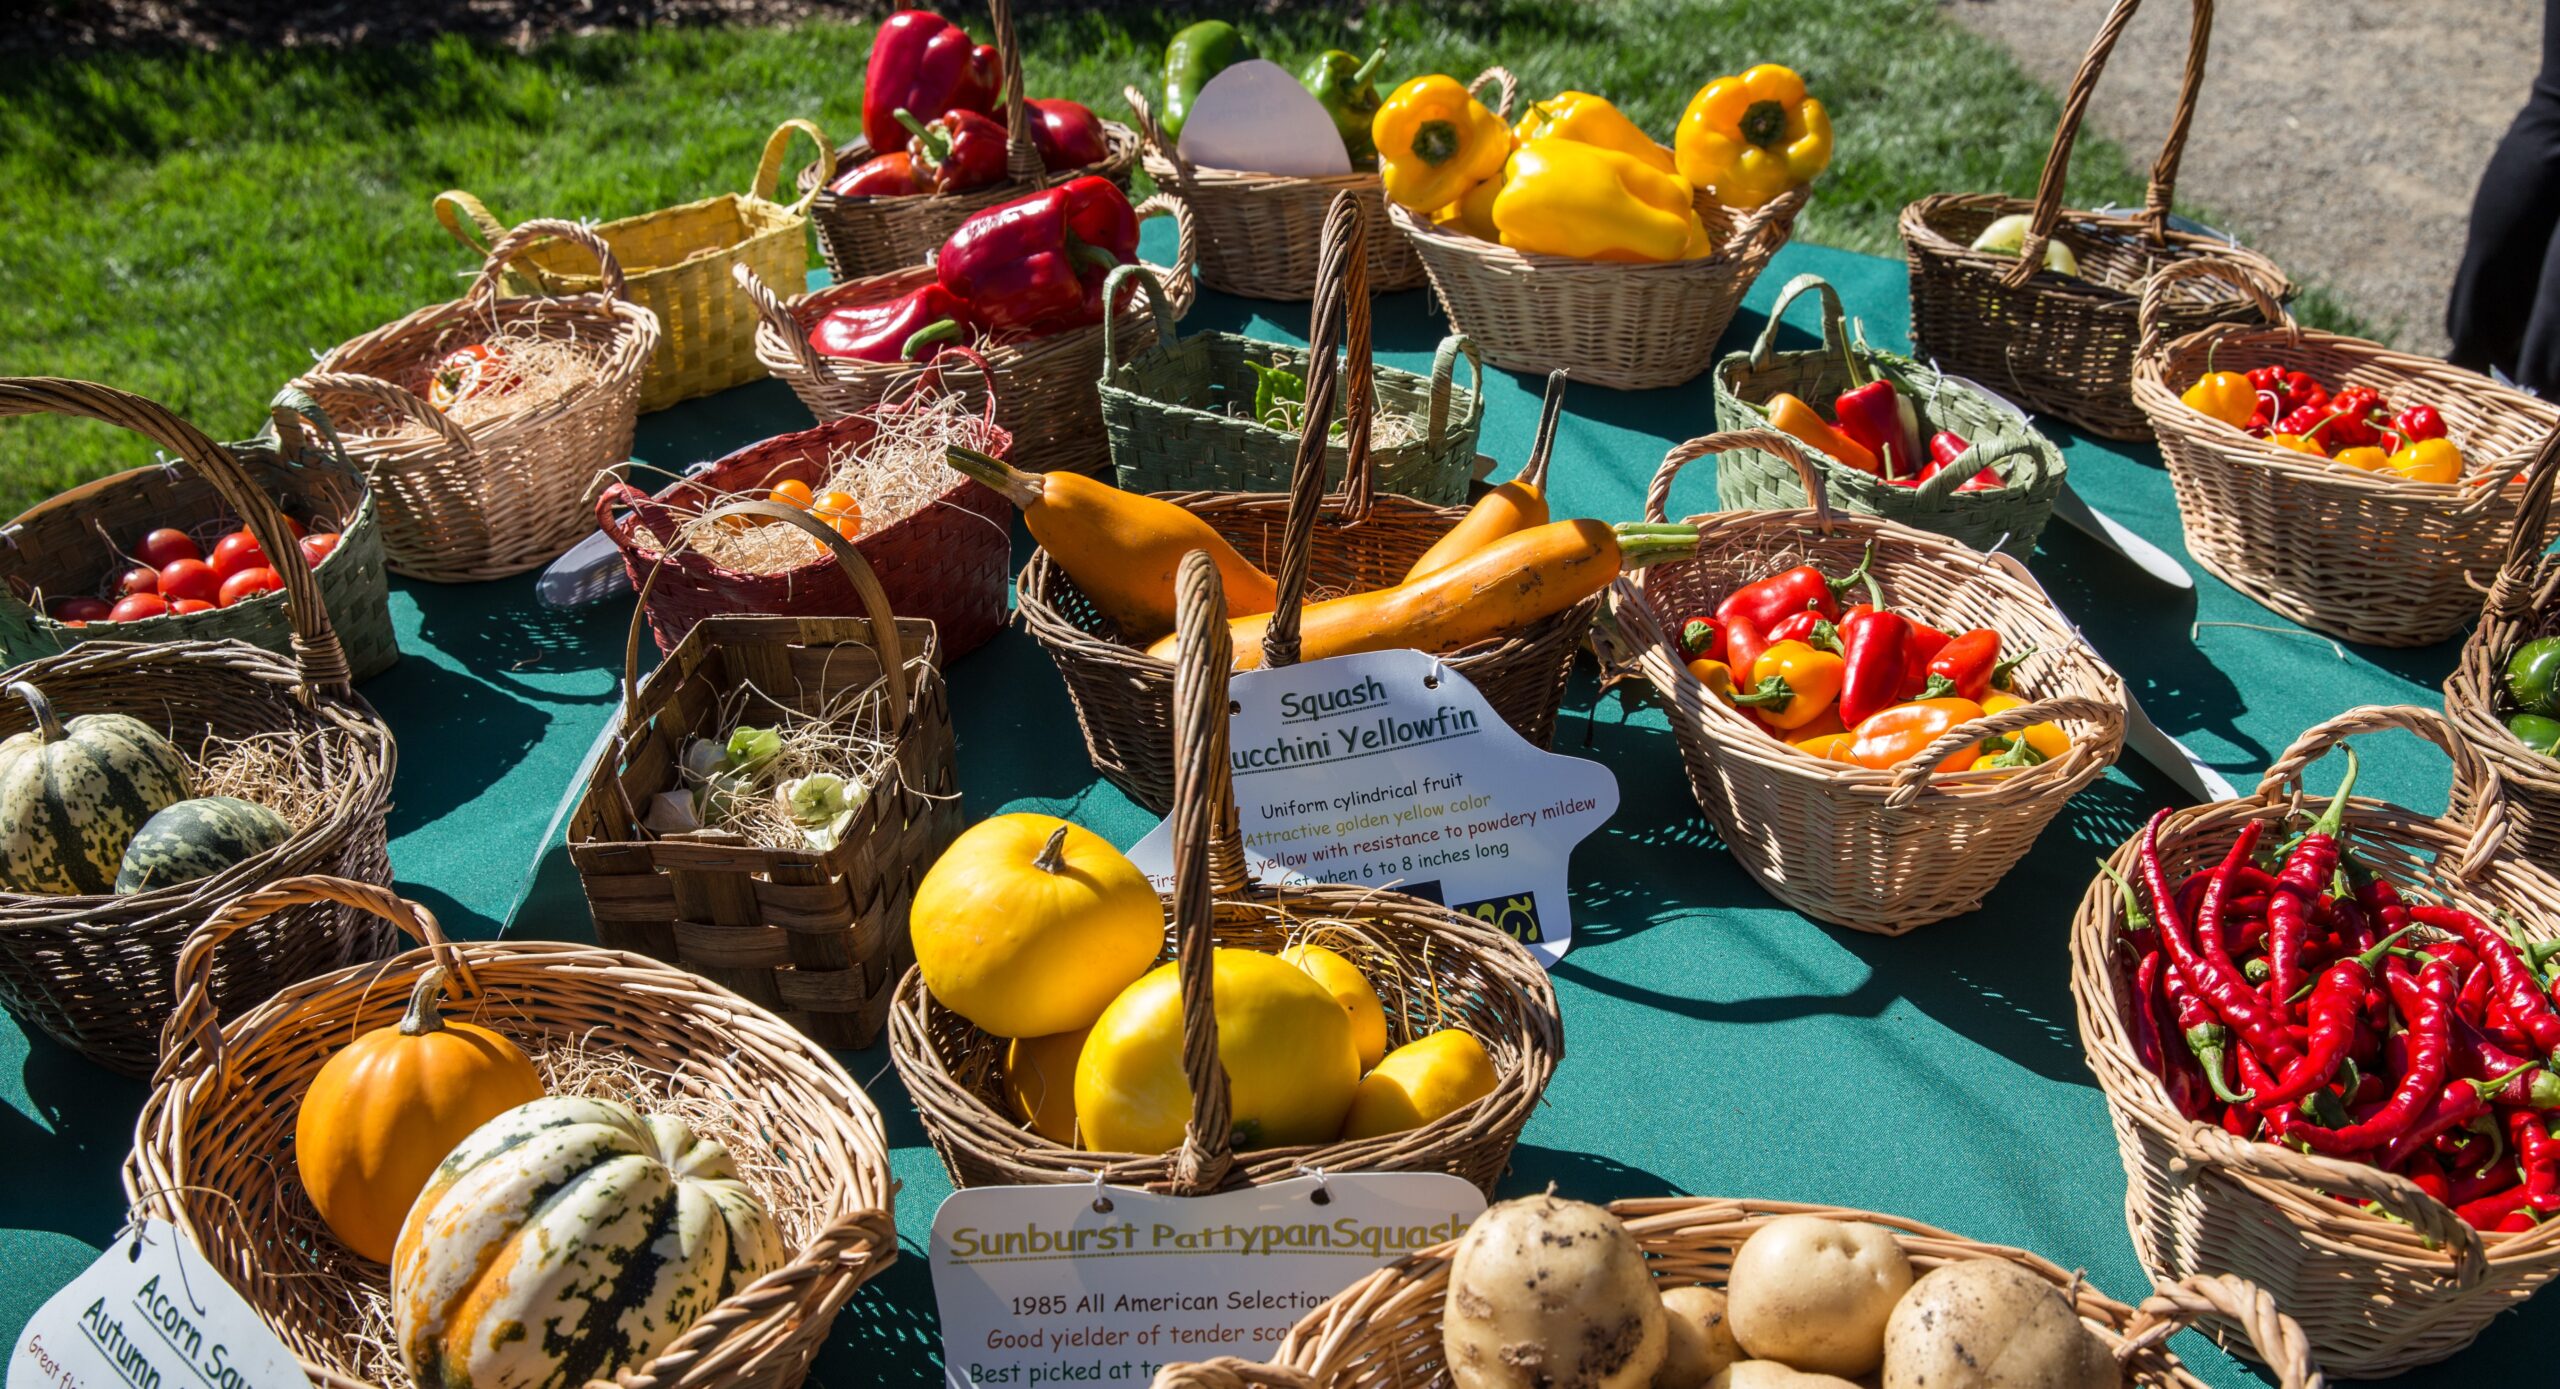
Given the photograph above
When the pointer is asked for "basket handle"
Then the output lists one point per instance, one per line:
(1444, 377)
(316, 653)
(1835, 328)
(1502, 78)
(1956, 474)
(191, 1040)
(2278, 1339)
(484, 289)
(1021, 156)
(1181, 282)
(2511, 595)
(778, 319)
(300, 425)
(1153, 135)
(1658, 495)
(1229, 1372)
(2206, 1145)
(1336, 313)
(904, 392)
(2152, 345)
(2075, 105)
(1915, 774)
(469, 221)
(2486, 819)
(1204, 836)
(1145, 278)
(768, 177)
(706, 1352)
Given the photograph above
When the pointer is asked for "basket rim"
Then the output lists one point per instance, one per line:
(1921, 237)
(779, 219)
(1756, 234)
(635, 340)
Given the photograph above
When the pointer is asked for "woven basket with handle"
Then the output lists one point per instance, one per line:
(1446, 970)
(2368, 556)
(2380, 1290)
(863, 236)
(512, 491)
(1384, 1332)
(2524, 603)
(99, 974)
(77, 543)
(213, 1149)
(2008, 518)
(2058, 344)
(819, 936)
(1882, 851)
(1123, 697)
(675, 263)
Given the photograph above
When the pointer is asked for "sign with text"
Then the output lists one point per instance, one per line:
(1046, 1286)
(150, 1314)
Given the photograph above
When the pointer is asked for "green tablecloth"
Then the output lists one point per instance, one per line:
(1716, 1043)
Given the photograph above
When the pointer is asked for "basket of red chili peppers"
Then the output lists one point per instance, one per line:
(1877, 764)
(2505, 694)
(2327, 1043)
(2361, 491)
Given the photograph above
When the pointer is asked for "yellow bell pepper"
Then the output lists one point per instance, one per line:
(2048, 740)
(1792, 685)
(1473, 214)
(2429, 460)
(1749, 139)
(1435, 142)
(1563, 198)
(2223, 395)
(1590, 120)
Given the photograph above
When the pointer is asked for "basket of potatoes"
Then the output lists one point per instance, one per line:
(1685, 1292)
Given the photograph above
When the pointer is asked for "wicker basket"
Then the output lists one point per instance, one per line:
(96, 973)
(1179, 414)
(1449, 970)
(213, 1148)
(2008, 518)
(297, 465)
(819, 937)
(1881, 851)
(2524, 603)
(1123, 697)
(865, 236)
(513, 491)
(2371, 557)
(2378, 1293)
(2059, 344)
(675, 264)
(1043, 387)
(946, 563)
(1383, 1332)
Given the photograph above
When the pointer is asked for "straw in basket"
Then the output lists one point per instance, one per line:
(1043, 387)
(75, 543)
(819, 936)
(2058, 344)
(97, 973)
(2008, 518)
(2524, 604)
(213, 1149)
(1180, 413)
(1384, 1332)
(2377, 1291)
(1447, 970)
(1881, 851)
(944, 563)
(675, 263)
(1123, 697)
(862, 236)
(513, 490)
(2371, 557)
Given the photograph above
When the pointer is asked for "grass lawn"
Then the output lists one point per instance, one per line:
(194, 227)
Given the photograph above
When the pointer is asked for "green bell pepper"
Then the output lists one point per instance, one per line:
(2533, 676)
(1347, 88)
(1196, 54)
(2537, 733)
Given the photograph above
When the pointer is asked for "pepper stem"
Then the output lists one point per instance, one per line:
(2135, 918)
(1367, 72)
(1099, 257)
(1018, 487)
(2003, 669)
(1435, 142)
(422, 1017)
(1763, 123)
(1774, 690)
(936, 144)
(2209, 1049)
(2370, 960)
(1053, 855)
(2334, 818)
(940, 330)
(1864, 573)
(48, 724)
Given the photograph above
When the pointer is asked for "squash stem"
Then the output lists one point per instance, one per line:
(1018, 487)
(1053, 855)
(423, 1016)
(48, 724)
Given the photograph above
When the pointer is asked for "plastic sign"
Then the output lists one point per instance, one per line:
(150, 1314)
(1388, 769)
(1048, 1286)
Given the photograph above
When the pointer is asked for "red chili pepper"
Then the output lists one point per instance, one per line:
(2489, 1212)
(1036, 264)
(2517, 991)
(1872, 415)
(893, 331)
(2337, 1013)
(1918, 650)
(2212, 976)
(888, 176)
(2418, 422)
(1875, 644)
(1984, 481)
(926, 64)
(2422, 1083)
(2208, 1041)
(1702, 638)
(955, 152)
(1743, 642)
(1067, 134)
(2428, 1176)
(2538, 1154)
(2307, 873)
(1790, 591)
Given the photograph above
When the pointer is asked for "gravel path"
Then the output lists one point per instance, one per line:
(2342, 137)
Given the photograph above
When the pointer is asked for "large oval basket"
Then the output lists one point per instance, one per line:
(2524, 603)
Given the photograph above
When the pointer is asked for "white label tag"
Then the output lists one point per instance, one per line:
(1388, 769)
(150, 1314)
(1044, 1286)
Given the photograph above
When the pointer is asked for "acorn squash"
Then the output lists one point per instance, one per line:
(73, 794)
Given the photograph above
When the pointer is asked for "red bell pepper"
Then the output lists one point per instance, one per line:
(1067, 133)
(887, 176)
(892, 331)
(1782, 595)
(1809, 627)
(1036, 264)
(1875, 644)
(1702, 639)
(924, 64)
(1918, 650)
(956, 151)
(1872, 415)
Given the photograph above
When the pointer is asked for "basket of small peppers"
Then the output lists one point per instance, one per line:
(2327, 1043)
(2361, 491)
(2505, 693)
(1897, 439)
(1574, 239)
(1022, 283)
(1878, 721)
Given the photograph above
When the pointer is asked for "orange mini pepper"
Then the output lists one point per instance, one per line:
(2224, 395)
(1824, 725)
(1789, 415)
(1715, 675)
(1792, 684)
(1897, 735)
(1830, 747)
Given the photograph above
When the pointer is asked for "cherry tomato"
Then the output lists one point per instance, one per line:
(247, 582)
(189, 578)
(295, 527)
(840, 510)
(138, 606)
(80, 610)
(793, 492)
(164, 545)
(184, 606)
(139, 580)
(317, 547)
(236, 552)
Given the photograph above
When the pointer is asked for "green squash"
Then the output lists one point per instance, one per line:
(73, 794)
(197, 839)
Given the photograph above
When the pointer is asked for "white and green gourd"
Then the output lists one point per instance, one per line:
(566, 1239)
(198, 838)
(73, 794)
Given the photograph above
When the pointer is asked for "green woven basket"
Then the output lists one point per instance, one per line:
(1179, 414)
(2009, 518)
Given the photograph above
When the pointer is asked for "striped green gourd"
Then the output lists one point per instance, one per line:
(566, 1239)
(72, 796)
(198, 838)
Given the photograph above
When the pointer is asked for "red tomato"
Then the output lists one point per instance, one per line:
(164, 545)
(139, 580)
(249, 581)
(138, 606)
(184, 606)
(236, 552)
(317, 547)
(295, 527)
(189, 578)
(81, 610)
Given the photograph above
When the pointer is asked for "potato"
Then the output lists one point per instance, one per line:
(1987, 1324)
(1550, 1294)
(1814, 1294)
(1700, 1343)
(1769, 1374)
